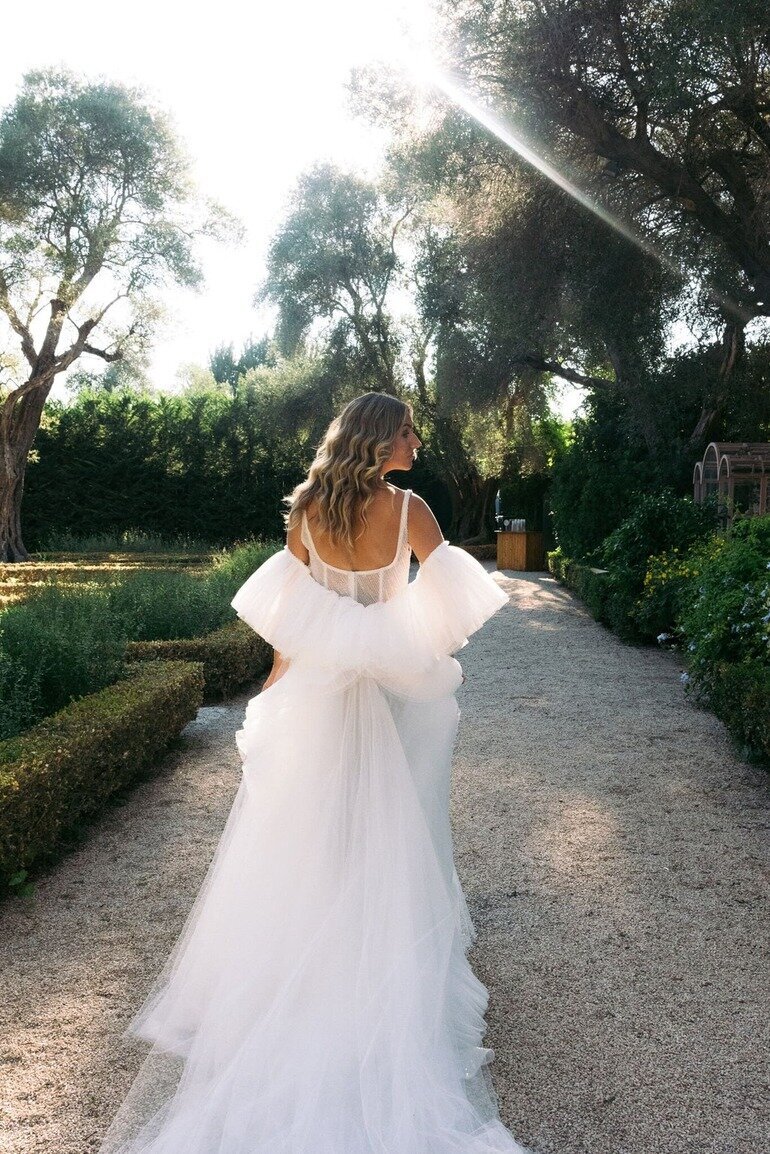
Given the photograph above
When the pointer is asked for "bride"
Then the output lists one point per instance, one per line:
(319, 999)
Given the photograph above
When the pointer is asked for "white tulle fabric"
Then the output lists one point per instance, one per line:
(319, 999)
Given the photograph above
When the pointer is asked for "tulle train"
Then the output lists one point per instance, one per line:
(319, 1000)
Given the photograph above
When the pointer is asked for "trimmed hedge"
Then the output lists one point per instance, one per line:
(231, 657)
(592, 585)
(67, 766)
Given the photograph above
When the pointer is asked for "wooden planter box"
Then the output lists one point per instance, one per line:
(520, 551)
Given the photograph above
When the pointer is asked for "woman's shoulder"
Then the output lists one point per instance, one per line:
(423, 530)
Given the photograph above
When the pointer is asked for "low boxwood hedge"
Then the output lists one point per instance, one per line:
(486, 552)
(231, 657)
(65, 767)
(592, 585)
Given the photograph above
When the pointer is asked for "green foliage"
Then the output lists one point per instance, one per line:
(740, 697)
(211, 466)
(557, 563)
(64, 642)
(713, 599)
(88, 169)
(57, 645)
(165, 605)
(596, 477)
(666, 588)
(652, 105)
(660, 520)
(334, 259)
(227, 368)
(591, 584)
(62, 771)
(231, 657)
(56, 541)
(727, 618)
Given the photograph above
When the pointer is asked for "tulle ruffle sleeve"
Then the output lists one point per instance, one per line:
(411, 635)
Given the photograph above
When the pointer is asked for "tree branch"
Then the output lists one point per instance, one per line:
(542, 365)
(18, 326)
(106, 356)
(629, 75)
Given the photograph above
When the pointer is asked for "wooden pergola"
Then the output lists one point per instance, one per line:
(739, 473)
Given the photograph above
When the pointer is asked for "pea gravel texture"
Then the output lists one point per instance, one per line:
(613, 848)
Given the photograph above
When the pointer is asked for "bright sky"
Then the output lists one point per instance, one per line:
(257, 95)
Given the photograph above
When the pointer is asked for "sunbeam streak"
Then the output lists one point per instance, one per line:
(437, 79)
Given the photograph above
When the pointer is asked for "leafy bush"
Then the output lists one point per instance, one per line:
(164, 606)
(740, 697)
(728, 618)
(669, 587)
(231, 657)
(231, 568)
(56, 646)
(64, 642)
(661, 521)
(597, 478)
(127, 541)
(713, 597)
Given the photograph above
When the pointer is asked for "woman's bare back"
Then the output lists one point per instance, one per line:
(376, 546)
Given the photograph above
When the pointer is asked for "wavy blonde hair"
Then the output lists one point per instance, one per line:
(346, 471)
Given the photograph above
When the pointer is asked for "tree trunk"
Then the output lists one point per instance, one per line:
(19, 422)
(731, 353)
(472, 527)
(469, 494)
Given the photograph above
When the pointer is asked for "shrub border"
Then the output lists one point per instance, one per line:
(231, 657)
(741, 695)
(66, 767)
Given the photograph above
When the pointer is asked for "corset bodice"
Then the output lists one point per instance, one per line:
(364, 585)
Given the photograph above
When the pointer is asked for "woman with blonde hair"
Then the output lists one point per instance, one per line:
(319, 999)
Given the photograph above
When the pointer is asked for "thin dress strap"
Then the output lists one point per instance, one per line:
(307, 539)
(402, 526)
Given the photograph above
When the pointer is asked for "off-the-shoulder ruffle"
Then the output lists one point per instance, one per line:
(427, 621)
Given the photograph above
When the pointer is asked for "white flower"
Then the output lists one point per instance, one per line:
(663, 637)
(684, 678)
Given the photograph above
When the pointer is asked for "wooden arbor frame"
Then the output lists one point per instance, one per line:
(739, 473)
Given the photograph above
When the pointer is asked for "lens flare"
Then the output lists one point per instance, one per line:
(424, 73)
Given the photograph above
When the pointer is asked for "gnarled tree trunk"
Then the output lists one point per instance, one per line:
(19, 422)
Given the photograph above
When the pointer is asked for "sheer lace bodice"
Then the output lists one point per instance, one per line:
(364, 585)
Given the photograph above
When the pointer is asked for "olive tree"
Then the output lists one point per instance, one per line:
(97, 213)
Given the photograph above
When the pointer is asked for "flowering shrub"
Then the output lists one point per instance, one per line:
(668, 586)
(727, 618)
(661, 520)
(662, 526)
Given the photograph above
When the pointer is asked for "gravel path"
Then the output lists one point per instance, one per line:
(611, 846)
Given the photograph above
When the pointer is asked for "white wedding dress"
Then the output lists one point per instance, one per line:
(319, 999)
